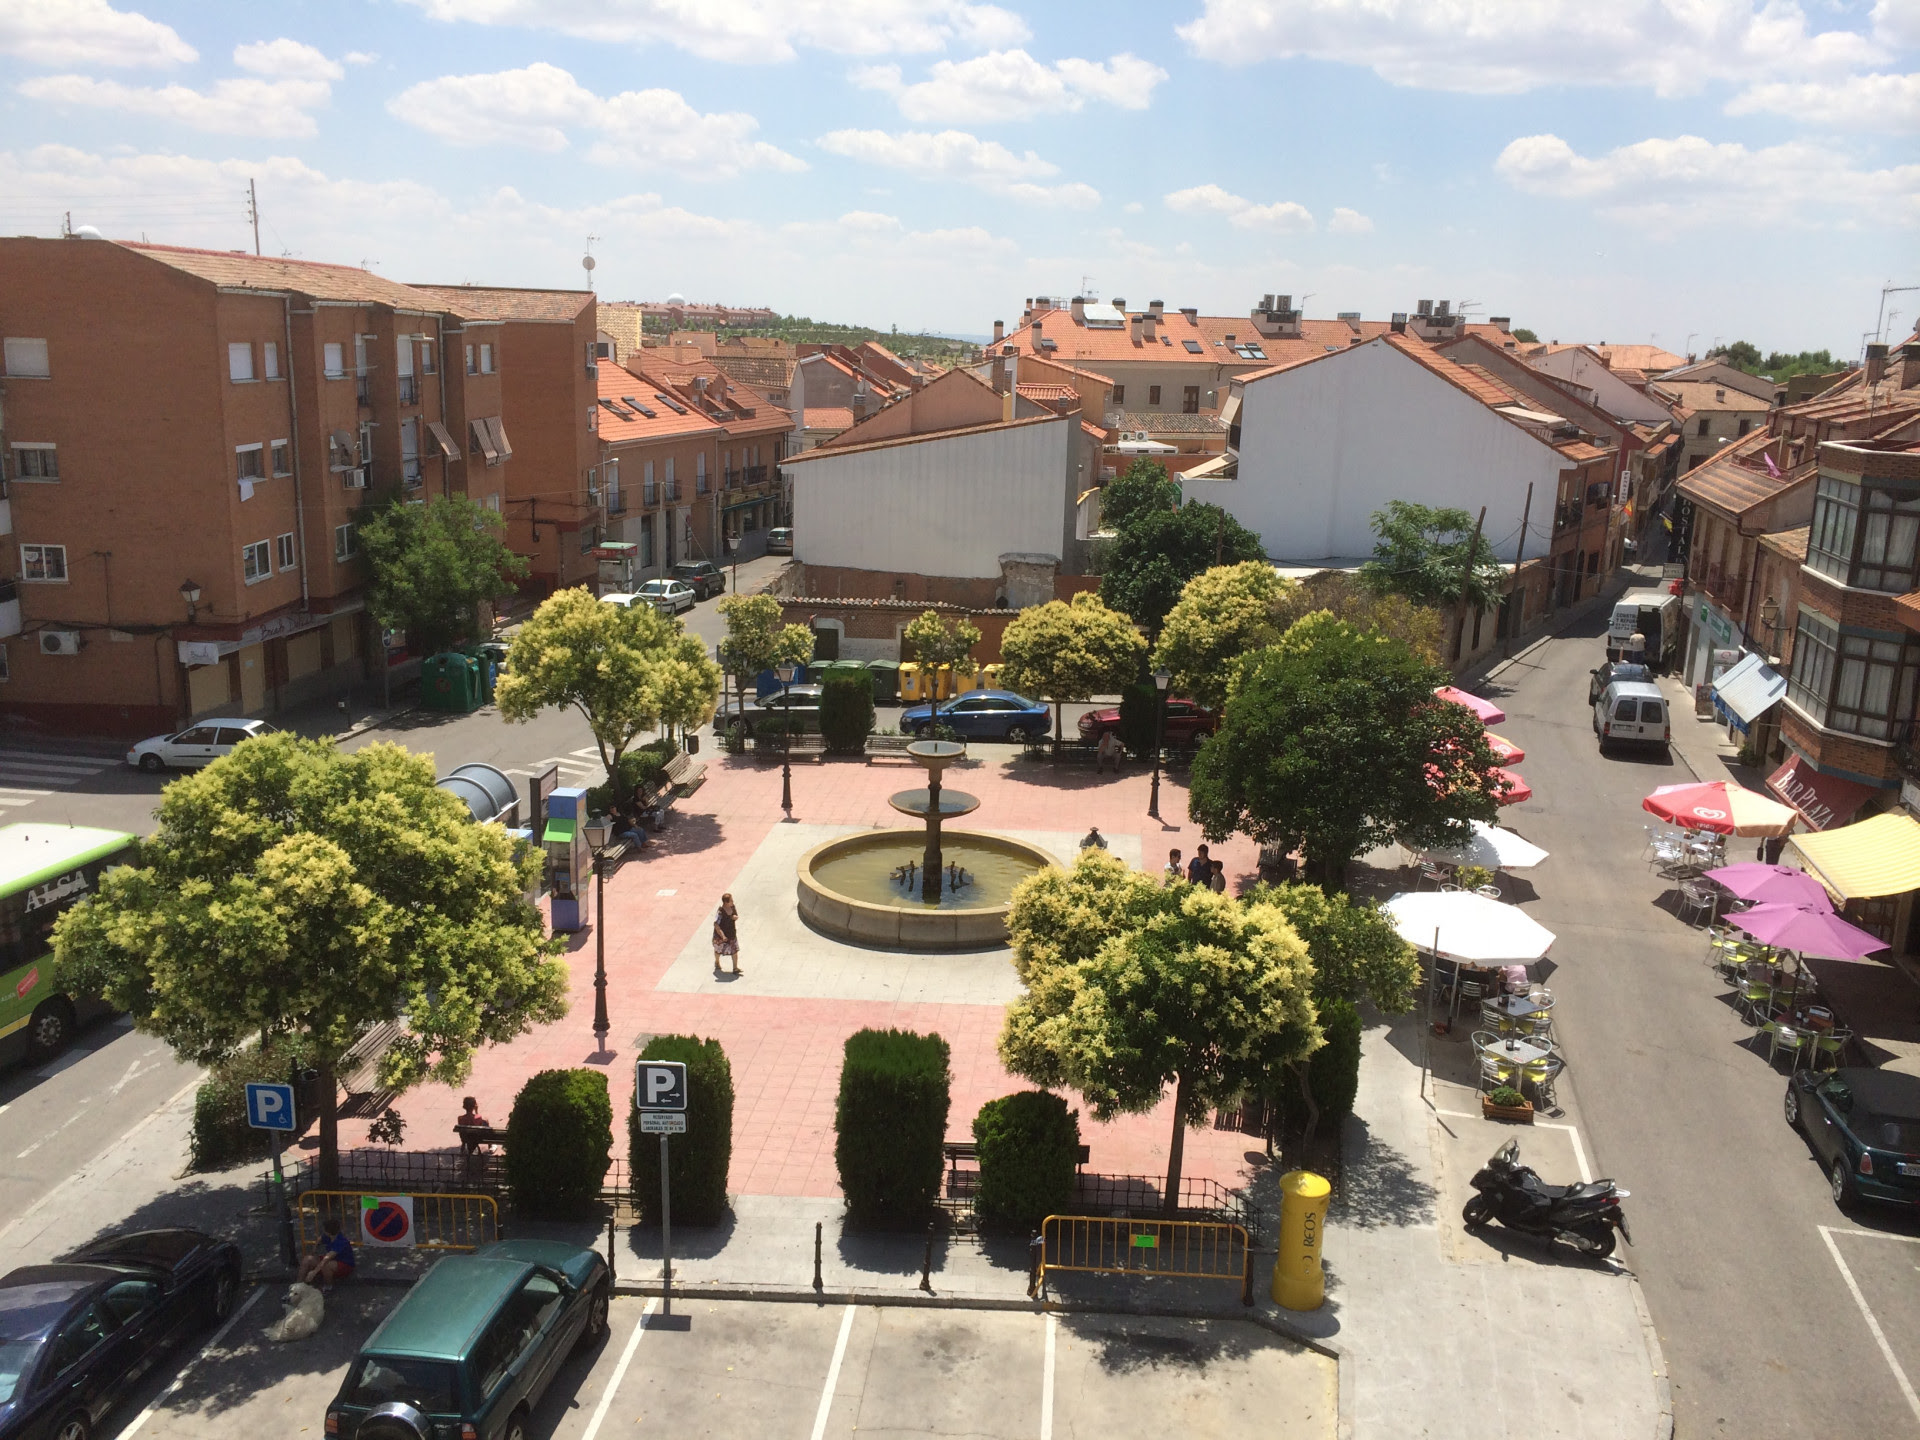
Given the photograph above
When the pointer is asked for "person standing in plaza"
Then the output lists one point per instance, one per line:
(1200, 868)
(1175, 871)
(726, 934)
(1107, 753)
(1217, 877)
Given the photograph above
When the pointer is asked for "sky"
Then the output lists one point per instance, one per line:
(1680, 171)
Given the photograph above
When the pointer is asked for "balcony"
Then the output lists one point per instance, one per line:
(673, 491)
(410, 471)
(649, 495)
(409, 390)
(616, 500)
(755, 475)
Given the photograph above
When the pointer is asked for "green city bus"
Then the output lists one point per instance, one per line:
(43, 870)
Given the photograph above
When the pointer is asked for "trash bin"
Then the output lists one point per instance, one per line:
(886, 681)
(990, 677)
(972, 680)
(911, 683)
(1299, 1282)
(450, 681)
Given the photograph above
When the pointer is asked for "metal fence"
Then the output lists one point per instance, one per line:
(1169, 1249)
(1115, 1197)
(399, 1172)
(439, 1222)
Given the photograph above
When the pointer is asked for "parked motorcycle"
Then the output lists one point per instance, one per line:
(1585, 1216)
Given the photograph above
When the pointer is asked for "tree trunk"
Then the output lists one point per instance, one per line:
(1300, 1069)
(1056, 727)
(329, 1127)
(1177, 1147)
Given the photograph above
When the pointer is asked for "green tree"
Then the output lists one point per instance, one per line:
(1781, 366)
(756, 641)
(1142, 488)
(1432, 556)
(936, 642)
(1222, 615)
(1357, 954)
(293, 891)
(1524, 336)
(625, 668)
(1160, 549)
(430, 566)
(1333, 742)
(1073, 650)
(1206, 994)
(1741, 354)
(1418, 627)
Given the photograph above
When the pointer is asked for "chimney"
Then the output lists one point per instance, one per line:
(1876, 363)
(1136, 328)
(1910, 365)
(1154, 307)
(1079, 309)
(1039, 334)
(1266, 302)
(1503, 322)
(1399, 322)
(1152, 323)
(999, 331)
(1119, 304)
(1192, 312)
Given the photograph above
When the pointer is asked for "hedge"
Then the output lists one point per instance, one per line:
(1333, 1072)
(559, 1143)
(1137, 719)
(846, 709)
(221, 1135)
(638, 767)
(1029, 1146)
(890, 1124)
(697, 1161)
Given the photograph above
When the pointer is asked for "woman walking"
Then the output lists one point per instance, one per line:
(726, 934)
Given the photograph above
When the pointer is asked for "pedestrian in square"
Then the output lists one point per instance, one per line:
(1200, 868)
(1217, 877)
(726, 934)
(1175, 871)
(1107, 753)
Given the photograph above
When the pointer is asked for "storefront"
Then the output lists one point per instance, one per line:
(1717, 641)
(1825, 801)
(1873, 868)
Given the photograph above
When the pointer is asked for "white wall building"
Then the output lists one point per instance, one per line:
(1599, 386)
(1318, 447)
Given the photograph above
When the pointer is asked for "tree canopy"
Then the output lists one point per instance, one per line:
(1131, 988)
(1161, 544)
(1222, 615)
(1524, 335)
(756, 641)
(1357, 954)
(430, 566)
(1424, 554)
(293, 890)
(626, 668)
(1332, 741)
(1418, 627)
(1070, 651)
(1776, 364)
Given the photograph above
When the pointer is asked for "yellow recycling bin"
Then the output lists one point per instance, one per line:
(910, 682)
(1299, 1283)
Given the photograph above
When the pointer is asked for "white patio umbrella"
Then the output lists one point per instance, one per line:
(1491, 848)
(1468, 927)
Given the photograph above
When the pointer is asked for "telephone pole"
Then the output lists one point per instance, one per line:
(253, 213)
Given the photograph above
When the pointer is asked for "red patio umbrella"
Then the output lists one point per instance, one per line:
(1516, 788)
(1489, 713)
(1504, 750)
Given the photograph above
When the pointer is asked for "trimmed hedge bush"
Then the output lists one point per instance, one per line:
(559, 1143)
(221, 1135)
(1333, 1071)
(846, 709)
(890, 1124)
(638, 767)
(1137, 706)
(1029, 1146)
(697, 1161)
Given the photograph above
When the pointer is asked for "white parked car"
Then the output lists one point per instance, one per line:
(195, 746)
(669, 597)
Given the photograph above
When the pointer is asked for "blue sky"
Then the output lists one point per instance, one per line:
(1616, 170)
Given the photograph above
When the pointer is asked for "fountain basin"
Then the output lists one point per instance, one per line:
(845, 891)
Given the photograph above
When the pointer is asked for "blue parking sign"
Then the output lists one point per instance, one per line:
(269, 1107)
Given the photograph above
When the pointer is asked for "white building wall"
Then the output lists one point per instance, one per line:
(1608, 391)
(1326, 444)
(937, 506)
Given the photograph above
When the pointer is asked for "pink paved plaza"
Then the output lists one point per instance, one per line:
(785, 1049)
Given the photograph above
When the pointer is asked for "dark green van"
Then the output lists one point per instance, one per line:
(473, 1346)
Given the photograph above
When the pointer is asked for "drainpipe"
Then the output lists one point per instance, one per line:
(299, 495)
(440, 345)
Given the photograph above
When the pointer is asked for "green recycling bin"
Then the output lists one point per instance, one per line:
(886, 681)
(450, 681)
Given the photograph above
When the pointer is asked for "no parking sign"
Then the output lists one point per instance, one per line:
(386, 1221)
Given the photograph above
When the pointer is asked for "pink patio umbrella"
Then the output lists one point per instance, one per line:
(1772, 884)
(1818, 933)
(1516, 788)
(1504, 750)
(1489, 713)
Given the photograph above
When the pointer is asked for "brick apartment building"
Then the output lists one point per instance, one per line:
(182, 499)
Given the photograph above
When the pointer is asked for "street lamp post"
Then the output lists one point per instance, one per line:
(597, 833)
(1160, 681)
(787, 671)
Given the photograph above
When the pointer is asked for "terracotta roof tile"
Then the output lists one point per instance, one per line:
(1078, 345)
(821, 452)
(307, 277)
(509, 303)
(1173, 423)
(827, 417)
(625, 423)
(1789, 543)
(1733, 487)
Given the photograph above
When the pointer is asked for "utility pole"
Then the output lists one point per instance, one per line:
(1473, 564)
(253, 213)
(1519, 554)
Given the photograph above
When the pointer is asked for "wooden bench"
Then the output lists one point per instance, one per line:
(472, 1137)
(1072, 751)
(359, 1072)
(806, 744)
(681, 776)
(967, 1150)
(888, 747)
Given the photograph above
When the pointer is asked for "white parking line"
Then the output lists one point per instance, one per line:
(1046, 1384)
(833, 1375)
(619, 1372)
(1579, 1150)
(1879, 1336)
(187, 1369)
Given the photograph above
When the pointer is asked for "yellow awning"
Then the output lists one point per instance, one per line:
(1878, 856)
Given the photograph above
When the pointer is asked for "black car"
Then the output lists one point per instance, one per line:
(800, 704)
(76, 1336)
(1611, 671)
(1864, 1125)
(704, 576)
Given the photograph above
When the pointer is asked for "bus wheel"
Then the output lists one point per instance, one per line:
(50, 1029)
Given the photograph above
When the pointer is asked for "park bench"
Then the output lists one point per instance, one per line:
(681, 776)
(888, 747)
(966, 1150)
(805, 744)
(472, 1137)
(359, 1071)
(1071, 751)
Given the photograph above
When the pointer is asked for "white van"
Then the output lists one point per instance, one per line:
(1633, 711)
(1651, 614)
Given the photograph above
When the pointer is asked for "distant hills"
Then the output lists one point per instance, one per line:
(804, 330)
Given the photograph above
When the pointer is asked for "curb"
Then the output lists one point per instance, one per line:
(1662, 1385)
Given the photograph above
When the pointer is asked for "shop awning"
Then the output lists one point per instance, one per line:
(444, 439)
(1747, 691)
(615, 550)
(1824, 801)
(1220, 467)
(1879, 856)
(559, 832)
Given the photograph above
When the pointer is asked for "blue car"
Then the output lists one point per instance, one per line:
(983, 715)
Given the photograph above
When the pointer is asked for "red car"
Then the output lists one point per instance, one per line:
(1185, 723)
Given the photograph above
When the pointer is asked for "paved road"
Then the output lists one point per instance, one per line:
(1761, 1329)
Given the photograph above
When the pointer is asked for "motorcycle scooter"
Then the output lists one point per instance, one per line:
(1584, 1216)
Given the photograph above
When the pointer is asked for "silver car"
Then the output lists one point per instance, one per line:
(669, 597)
(195, 746)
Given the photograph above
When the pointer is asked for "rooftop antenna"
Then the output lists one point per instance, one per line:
(1880, 325)
(587, 262)
(1086, 287)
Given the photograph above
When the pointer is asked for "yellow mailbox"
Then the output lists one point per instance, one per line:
(1299, 1282)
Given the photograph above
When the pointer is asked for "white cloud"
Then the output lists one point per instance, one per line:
(296, 80)
(1006, 85)
(1897, 22)
(537, 107)
(1348, 222)
(1283, 217)
(1859, 102)
(87, 32)
(754, 31)
(956, 155)
(1504, 47)
(1133, 207)
(1691, 181)
(360, 57)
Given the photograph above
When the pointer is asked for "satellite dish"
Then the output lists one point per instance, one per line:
(587, 263)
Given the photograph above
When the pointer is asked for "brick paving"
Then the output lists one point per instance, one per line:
(786, 1051)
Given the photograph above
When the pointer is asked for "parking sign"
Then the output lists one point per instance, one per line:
(269, 1106)
(660, 1084)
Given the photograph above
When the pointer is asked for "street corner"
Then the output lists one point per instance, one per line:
(1463, 1139)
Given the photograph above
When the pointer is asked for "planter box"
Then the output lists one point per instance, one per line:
(1521, 1114)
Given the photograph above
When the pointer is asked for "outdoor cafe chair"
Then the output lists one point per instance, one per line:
(1829, 1046)
(1540, 1028)
(1790, 1038)
(1489, 892)
(1540, 1075)
(1433, 872)
(1756, 993)
(1696, 901)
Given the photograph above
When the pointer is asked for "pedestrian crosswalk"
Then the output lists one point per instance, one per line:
(29, 775)
(580, 768)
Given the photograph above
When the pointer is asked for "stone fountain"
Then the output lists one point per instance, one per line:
(952, 895)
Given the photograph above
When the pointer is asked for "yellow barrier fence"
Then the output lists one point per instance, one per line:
(1170, 1249)
(436, 1222)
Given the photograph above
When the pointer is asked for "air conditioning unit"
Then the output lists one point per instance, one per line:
(354, 479)
(59, 642)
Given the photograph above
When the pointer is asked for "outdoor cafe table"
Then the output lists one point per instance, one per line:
(1516, 1007)
(1517, 1052)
